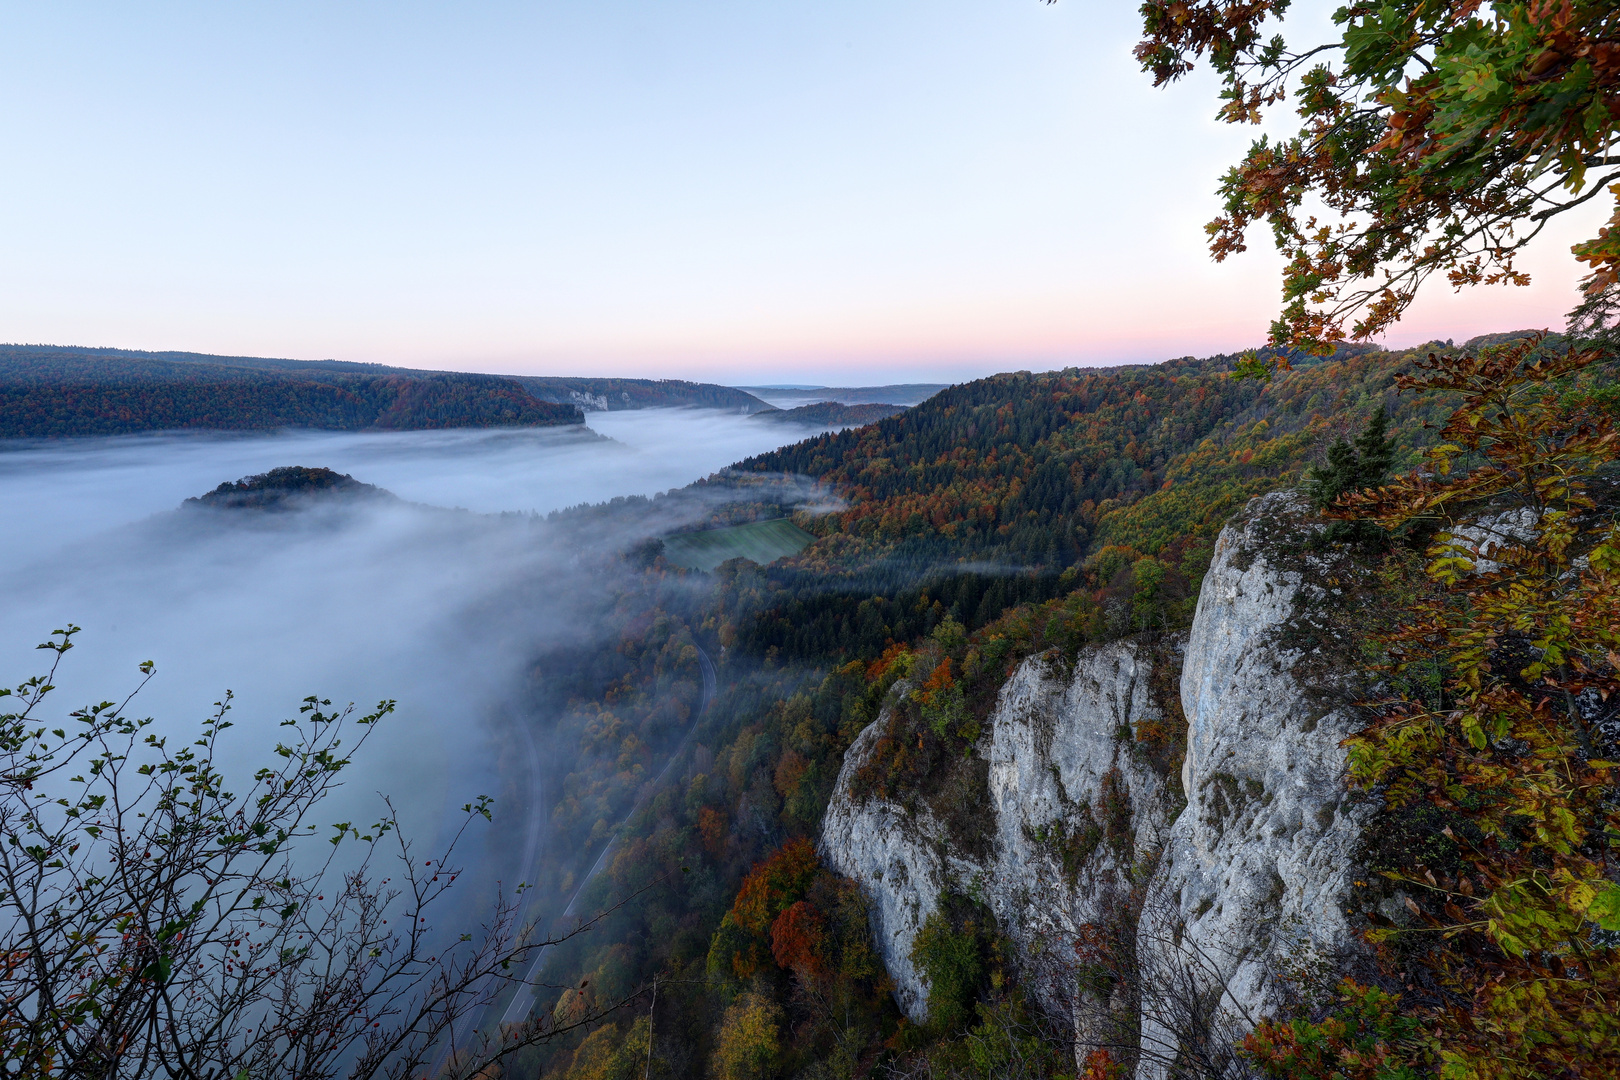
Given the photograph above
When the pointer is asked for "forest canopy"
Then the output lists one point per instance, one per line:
(50, 391)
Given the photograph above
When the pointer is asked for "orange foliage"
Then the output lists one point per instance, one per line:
(877, 668)
(789, 771)
(941, 679)
(774, 885)
(712, 830)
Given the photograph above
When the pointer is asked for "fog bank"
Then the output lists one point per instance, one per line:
(440, 610)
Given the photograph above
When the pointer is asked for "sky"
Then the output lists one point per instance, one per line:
(847, 192)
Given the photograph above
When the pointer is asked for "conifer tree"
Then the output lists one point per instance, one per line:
(1350, 468)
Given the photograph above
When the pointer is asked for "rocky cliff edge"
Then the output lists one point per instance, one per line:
(1217, 878)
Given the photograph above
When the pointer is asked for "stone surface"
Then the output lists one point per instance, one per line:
(1054, 738)
(900, 860)
(1258, 866)
(1059, 749)
(1247, 854)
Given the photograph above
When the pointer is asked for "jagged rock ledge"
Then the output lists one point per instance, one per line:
(1223, 872)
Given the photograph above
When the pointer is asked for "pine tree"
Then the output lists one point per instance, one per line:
(1353, 467)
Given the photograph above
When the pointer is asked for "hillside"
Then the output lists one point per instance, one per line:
(73, 363)
(56, 391)
(613, 395)
(890, 394)
(1017, 561)
(832, 414)
(1036, 469)
(249, 401)
(1006, 490)
(760, 541)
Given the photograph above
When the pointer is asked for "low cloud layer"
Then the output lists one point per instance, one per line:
(440, 610)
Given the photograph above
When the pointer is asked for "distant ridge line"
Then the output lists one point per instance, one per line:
(56, 391)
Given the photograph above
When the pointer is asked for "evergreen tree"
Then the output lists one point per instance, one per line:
(1353, 467)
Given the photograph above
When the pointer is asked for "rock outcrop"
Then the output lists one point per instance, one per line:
(903, 862)
(1254, 879)
(1226, 870)
(1074, 805)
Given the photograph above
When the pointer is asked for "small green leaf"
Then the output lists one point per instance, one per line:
(1605, 908)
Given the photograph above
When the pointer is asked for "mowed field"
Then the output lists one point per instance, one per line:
(761, 541)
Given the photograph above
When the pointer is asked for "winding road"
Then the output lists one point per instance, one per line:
(522, 1002)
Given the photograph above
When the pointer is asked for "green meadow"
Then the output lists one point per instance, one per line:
(761, 541)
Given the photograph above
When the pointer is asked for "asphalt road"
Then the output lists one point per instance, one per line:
(522, 1002)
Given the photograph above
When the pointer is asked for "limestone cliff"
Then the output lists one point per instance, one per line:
(1073, 806)
(1234, 866)
(1259, 866)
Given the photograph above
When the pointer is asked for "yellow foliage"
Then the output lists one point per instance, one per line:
(750, 1043)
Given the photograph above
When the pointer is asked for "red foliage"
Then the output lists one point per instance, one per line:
(1100, 1065)
(799, 941)
(774, 885)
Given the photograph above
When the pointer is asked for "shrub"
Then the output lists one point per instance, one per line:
(953, 963)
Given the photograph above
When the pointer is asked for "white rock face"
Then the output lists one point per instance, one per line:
(1064, 765)
(1251, 875)
(901, 864)
(1259, 864)
(1057, 745)
(591, 402)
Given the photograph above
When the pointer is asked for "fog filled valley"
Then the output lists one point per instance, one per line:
(451, 598)
(1208, 668)
(443, 610)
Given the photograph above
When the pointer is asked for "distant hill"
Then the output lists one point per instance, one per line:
(49, 391)
(614, 395)
(832, 414)
(893, 394)
(280, 489)
(64, 363)
(1508, 335)
(267, 402)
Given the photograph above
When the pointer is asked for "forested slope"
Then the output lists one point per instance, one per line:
(49, 391)
(1033, 469)
(76, 363)
(245, 401)
(998, 519)
(833, 414)
(1011, 489)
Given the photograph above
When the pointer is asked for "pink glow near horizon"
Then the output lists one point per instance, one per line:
(847, 193)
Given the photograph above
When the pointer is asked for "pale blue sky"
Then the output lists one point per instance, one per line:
(833, 192)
